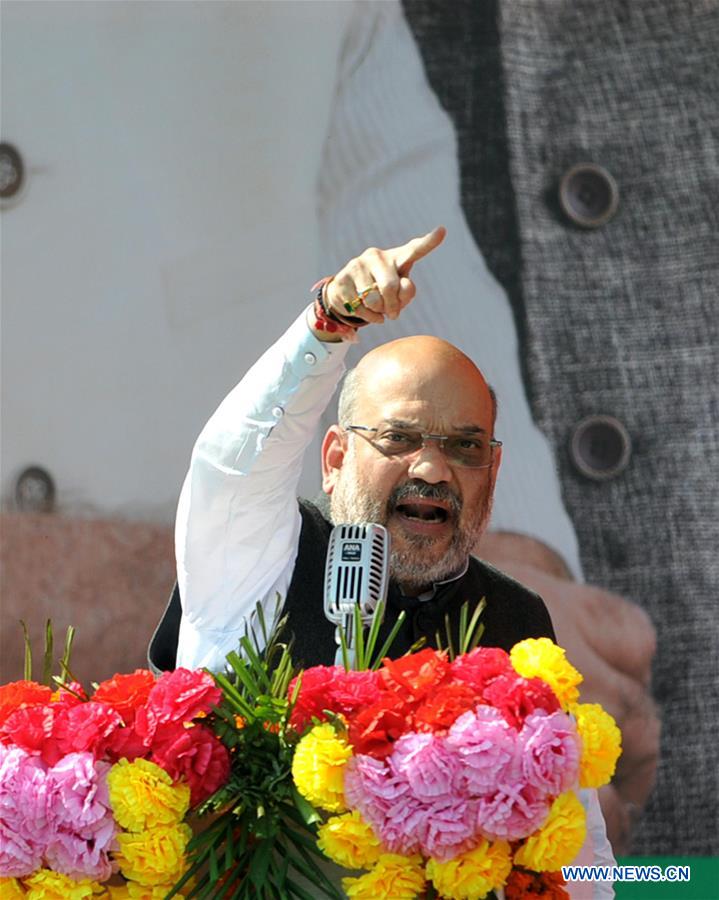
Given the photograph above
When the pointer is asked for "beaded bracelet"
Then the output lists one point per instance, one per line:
(325, 318)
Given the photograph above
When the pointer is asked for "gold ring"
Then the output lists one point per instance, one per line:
(352, 305)
(365, 292)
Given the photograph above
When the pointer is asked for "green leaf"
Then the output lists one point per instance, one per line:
(27, 666)
(448, 629)
(67, 649)
(390, 640)
(304, 807)
(360, 662)
(375, 624)
(47, 661)
(260, 862)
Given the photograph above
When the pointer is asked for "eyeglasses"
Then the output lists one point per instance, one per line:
(468, 450)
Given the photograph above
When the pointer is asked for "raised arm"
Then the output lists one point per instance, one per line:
(238, 522)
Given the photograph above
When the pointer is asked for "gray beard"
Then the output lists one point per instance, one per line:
(411, 566)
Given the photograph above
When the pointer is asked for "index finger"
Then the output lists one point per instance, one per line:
(408, 254)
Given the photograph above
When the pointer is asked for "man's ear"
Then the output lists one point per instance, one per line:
(333, 455)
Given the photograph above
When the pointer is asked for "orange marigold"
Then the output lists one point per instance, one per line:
(21, 693)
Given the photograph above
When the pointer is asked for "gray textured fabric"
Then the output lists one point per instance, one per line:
(621, 320)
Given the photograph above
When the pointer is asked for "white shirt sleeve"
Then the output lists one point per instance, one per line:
(596, 851)
(238, 523)
(390, 172)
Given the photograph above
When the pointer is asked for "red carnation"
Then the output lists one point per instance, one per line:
(516, 697)
(526, 885)
(374, 730)
(480, 666)
(85, 728)
(69, 695)
(30, 727)
(314, 694)
(177, 696)
(195, 754)
(352, 691)
(126, 693)
(17, 694)
(125, 743)
(417, 673)
(444, 706)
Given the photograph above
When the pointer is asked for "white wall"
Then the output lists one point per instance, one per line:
(162, 230)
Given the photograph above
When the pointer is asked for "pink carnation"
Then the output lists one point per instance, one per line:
(79, 810)
(550, 752)
(178, 696)
(442, 829)
(23, 812)
(512, 812)
(194, 754)
(451, 828)
(425, 763)
(372, 789)
(487, 747)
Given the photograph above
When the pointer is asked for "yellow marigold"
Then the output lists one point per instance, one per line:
(154, 857)
(560, 838)
(11, 889)
(542, 658)
(472, 874)
(349, 841)
(143, 796)
(393, 877)
(134, 891)
(601, 744)
(47, 885)
(318, 767)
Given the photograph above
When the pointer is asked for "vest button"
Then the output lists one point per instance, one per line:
(12, 171)
(588, 195)
(600, 447)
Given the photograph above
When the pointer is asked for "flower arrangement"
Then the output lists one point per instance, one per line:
(95, 790)
(451, 774)
(439, 774)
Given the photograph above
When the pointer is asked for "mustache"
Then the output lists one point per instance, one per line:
(418, 489)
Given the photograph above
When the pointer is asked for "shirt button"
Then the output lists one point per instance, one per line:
(310, 359)
(588, 195)
(12, 171)
(600, 447)
(278, 412)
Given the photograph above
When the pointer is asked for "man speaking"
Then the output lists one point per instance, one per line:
(414, 450)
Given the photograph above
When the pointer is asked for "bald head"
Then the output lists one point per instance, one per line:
(432, 368)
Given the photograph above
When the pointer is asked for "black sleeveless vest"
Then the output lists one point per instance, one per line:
(512, 613)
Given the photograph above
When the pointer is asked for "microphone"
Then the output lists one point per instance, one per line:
(356, 575)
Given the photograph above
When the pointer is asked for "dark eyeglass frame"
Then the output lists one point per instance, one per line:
(440, 438)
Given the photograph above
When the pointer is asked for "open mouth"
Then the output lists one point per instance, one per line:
(423, 511)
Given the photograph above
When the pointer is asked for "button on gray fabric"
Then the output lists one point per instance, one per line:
(588, 195)
(11, 171)
(600, 447)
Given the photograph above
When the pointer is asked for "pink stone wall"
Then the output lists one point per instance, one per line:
(110, 579)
